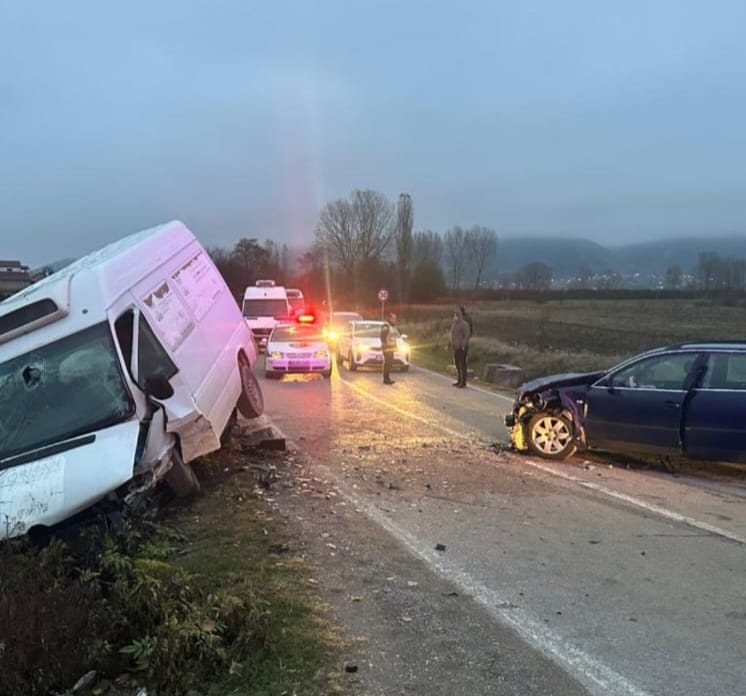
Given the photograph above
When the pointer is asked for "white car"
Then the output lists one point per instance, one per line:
(360, 345)
(296, 348)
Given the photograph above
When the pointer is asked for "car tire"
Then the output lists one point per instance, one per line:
(271, 374)
(327, 374)
(251, 401)
(351, 364)
(551, 436)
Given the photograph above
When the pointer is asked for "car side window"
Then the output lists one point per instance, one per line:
(152, 356)
(725, 371)
(658, 372)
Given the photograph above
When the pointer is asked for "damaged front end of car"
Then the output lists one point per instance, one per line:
(547, 416)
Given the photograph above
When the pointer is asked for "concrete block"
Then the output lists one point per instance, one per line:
(504, 375)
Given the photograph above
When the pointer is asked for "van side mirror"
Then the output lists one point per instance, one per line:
(158, 387)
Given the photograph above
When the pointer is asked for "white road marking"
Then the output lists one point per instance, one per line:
(593, 674)
(497, 395)
(650, 507)
(404, 412)
(631, 500)
(599, 679)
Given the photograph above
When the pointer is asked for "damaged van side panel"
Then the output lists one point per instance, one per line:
(47, 490)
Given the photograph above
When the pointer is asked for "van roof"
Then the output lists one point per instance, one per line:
(99, 278)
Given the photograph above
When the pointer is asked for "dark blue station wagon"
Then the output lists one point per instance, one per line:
(687, 399)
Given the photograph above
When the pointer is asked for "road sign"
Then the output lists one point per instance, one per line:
(383, 295)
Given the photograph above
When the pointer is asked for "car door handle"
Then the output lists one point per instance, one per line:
(671, 404)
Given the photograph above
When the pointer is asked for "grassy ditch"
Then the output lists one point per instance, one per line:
(211, 600)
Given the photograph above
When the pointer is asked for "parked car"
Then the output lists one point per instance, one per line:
(336, 323)
(297, 347)
(687, 399)
(360, 345)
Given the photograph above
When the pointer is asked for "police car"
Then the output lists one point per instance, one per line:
(360, 345)
(297, 347)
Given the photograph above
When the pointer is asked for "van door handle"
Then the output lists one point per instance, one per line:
(671, 404)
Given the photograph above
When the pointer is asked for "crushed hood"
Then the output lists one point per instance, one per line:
(566, 379)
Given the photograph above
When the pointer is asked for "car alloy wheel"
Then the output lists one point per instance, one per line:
(550, 436)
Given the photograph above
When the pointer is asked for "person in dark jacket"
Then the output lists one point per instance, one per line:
(388, 346)
(460, 335)
(468, 320)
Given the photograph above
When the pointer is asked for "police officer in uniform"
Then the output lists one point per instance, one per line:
(388, 346)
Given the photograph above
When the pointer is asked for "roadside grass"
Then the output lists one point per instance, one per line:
(430, 349)
(568, 335)
(213, 599)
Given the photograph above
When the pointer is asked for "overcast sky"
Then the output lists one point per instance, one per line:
(616, 121)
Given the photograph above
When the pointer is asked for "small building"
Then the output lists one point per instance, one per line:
(14, 276)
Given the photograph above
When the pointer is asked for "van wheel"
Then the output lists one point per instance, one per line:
(327, 374)
(251, 401)
(181, 477)
(351, 364)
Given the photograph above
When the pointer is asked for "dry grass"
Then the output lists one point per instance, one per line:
(569, 335)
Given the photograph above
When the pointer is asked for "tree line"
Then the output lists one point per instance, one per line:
(366, 242)
(361, 244)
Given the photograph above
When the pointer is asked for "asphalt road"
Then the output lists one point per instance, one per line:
(632, 581)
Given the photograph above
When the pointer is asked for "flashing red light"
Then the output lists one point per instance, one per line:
(306, 319)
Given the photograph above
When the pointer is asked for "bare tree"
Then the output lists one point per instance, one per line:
(355, 234)
(428, 246)
(707, 268)
(455, 248)
(535, 276)
(480, 246)
(673, 276)
(404, 244)
(251, 257)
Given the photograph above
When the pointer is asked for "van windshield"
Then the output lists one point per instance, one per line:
(265, 307)
(64, 389)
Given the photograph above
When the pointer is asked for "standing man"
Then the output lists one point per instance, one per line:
(460, 341)
(388, 346)
(467, 319)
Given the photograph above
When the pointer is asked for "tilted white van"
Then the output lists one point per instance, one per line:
(115, 372)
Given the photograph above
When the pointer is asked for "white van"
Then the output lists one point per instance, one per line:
(115, 372)
(265, 304)
(296, 300)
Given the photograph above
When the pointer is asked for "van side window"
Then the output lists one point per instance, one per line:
(152, 357)
(124, 330)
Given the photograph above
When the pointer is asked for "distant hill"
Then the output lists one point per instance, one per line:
(565, 256)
